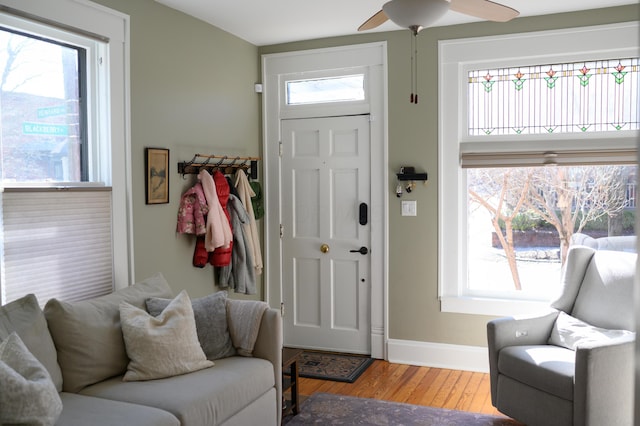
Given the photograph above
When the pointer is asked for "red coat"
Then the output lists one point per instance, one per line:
(221, 256)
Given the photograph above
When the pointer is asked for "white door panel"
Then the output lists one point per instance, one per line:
(325, 178)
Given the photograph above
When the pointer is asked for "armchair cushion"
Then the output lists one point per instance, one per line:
(606, 297)
(569, 332)
(545, 367)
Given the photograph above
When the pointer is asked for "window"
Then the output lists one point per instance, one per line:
(531, 152)
(44, 118)
(63, 213)
(334, 89)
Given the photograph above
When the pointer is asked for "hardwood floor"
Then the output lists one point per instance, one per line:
(434, 387)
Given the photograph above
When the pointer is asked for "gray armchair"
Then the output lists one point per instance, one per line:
(585, 375)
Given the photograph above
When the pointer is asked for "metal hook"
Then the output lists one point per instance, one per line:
(193, 160)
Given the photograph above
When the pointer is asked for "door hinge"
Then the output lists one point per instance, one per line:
(281, 230)
(282, 309)
(280, 148)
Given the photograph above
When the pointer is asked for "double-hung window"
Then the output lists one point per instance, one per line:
(63, 214)
(537, 143)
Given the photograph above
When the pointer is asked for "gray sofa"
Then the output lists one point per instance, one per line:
(81, 345)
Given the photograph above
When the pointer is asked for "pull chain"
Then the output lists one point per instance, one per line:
(415, 29)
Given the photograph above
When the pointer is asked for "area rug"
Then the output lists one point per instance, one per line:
(329, 409)
(335, 367)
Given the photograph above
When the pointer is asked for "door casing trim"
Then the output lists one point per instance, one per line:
(372, 57)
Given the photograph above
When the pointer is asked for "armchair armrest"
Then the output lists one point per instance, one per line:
(603, 388)
(509, 331)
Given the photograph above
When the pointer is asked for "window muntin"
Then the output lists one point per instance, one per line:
(43, 112)
(325, 90)
(577, 97)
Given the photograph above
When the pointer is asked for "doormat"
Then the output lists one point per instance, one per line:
(330, 366)
(328, 409)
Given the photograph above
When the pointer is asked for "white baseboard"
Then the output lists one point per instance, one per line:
(439, 355)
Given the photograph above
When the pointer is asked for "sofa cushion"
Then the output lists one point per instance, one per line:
(25, 317)
(547, 368)
(162, 346)
(211, 323)
(82, 410)
(27, 396)
(570, 333)
(88, 336)
(204, 397)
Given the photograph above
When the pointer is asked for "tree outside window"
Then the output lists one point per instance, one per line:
(534, 212)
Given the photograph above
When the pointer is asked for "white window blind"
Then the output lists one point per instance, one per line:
(56, 243)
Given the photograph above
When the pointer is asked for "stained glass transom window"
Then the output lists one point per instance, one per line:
(597, 96)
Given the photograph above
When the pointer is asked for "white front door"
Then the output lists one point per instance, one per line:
(325, 199)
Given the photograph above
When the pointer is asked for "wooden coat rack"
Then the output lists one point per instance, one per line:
(223, 163)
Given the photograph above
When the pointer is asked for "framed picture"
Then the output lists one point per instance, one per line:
(157, 177)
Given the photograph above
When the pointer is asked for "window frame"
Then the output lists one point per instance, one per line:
(346, 107)
(88, 51)
(111, 121)
(456, 57)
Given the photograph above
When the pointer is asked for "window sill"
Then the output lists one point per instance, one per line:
(492, 307)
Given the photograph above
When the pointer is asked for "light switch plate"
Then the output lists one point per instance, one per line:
(410, 208)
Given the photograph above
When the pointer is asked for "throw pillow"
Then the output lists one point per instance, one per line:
(88, 336)
(162, 346)
(25, 317)
(28, 395)
(211, 323)
(569, 332)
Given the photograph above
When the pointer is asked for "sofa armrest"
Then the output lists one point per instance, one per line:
(603, 387)
(269, 346)
(509, 331)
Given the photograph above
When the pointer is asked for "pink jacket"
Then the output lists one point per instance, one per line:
(193, 211)
(218, 229)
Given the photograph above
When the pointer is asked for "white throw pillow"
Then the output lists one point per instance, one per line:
(211, 323)
(569, 332)
(27, 393)
(162, 346)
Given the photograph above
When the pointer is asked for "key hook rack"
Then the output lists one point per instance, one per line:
(223, 163)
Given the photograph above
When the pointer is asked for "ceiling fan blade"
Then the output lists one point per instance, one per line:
(375, 21)
(484, 9)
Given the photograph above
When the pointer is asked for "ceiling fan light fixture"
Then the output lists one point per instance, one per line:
(415, 13)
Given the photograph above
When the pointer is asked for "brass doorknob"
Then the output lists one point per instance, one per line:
(324, 248)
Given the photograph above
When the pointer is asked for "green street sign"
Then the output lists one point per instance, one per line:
(52, 111)
(29, 128)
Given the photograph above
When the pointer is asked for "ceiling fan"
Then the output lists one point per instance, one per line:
(418, 14)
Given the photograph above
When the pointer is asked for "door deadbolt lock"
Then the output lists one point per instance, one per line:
(324, 248)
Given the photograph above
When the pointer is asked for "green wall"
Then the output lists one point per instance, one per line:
(192, 91)
(414, 310)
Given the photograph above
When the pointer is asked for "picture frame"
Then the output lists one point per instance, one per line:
(157, 175)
